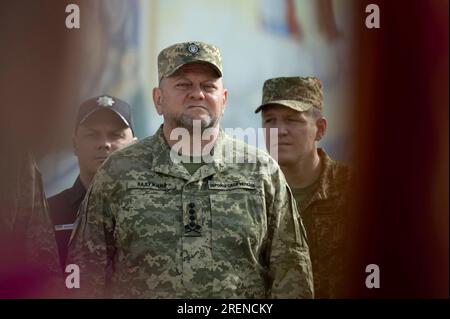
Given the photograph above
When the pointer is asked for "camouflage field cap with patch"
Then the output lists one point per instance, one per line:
(172, 58)
(298, 93)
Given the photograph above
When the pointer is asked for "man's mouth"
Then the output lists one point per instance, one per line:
(197, 106)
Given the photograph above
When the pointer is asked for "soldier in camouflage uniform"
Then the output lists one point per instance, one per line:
(294, 106)
(153, 227)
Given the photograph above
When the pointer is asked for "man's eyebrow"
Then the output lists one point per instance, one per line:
(212, 81)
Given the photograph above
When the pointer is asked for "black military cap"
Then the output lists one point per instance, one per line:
(121, 108)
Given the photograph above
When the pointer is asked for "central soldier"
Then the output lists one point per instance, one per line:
(162, 222)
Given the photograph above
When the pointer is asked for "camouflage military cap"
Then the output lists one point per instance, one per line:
(172, 58)
(298, 93)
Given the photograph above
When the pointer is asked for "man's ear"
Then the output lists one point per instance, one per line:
(321, 128)
(224, 99)
(225, 96)
(157, 100)
(74, 144)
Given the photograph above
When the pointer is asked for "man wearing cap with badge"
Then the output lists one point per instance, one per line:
(294, 105)
(155, 227)
(103, 125)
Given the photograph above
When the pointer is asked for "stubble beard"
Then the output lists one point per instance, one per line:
(186, 121)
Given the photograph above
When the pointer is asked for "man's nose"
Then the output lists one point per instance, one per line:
(104, 143)
(282, 130)
(197, 93)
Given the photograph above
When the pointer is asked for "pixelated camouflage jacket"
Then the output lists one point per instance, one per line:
(324, 216)
(148, 229)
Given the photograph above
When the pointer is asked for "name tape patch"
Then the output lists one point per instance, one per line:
(231, 185)
(150, 185)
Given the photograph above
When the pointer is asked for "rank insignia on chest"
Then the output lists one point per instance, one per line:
(192, 227)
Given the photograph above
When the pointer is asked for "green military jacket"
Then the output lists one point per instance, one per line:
(149, 229)
(324, 214)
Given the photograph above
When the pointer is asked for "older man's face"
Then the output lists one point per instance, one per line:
(194, 92)
(297, 132)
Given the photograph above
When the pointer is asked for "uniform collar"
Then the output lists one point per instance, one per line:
(162, 162)
(324, 181)
(77, 191)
